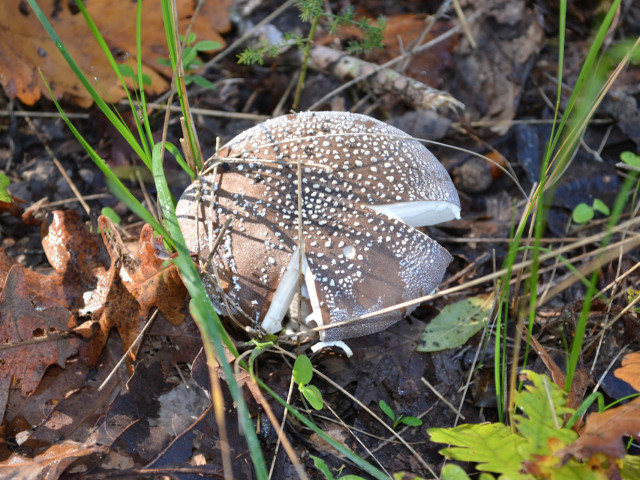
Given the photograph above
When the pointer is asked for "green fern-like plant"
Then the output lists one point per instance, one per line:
(311, 11)
(530, 449)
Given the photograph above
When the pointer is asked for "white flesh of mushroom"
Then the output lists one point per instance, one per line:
(285, 292)
(420, 214)
(415, 214)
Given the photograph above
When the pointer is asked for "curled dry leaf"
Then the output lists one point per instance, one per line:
(78, 260)
(135, 286)
(50, 464)
(32, 338)
(25, 46)
(604, 432)
(630, 370)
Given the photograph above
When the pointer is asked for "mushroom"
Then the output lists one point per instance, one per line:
(365, 187)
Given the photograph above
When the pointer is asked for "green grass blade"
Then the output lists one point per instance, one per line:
(143, 98)
(146, 158)
(360, 462)
(584, 83)
(581, 326)
(106, 110)
(212, 331)
(172, 34)
(116, 187)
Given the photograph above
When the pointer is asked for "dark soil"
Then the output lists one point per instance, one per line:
(505, 84)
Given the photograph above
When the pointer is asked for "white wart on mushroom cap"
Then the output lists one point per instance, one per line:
(365, 186)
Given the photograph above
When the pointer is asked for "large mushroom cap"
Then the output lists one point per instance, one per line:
(365, 186)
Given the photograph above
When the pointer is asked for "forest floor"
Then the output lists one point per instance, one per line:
(153, 417)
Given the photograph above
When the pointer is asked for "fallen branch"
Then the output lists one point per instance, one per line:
(380, 80)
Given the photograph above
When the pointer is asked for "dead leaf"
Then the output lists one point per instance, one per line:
(6, 262)
(490, 78)
(75, 254)
(136, 285)
(25, 46)
(604, 432)
(32, 339)
(630, 370)
(48, 465)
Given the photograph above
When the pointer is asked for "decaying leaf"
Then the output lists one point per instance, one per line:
(136, 285)
(48, 465)
(456, 324)
(630, 370)
(32, 339)
(603, 432)
(25, 46)
(77, 258)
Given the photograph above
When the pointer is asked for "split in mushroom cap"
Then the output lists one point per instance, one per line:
(365, 186)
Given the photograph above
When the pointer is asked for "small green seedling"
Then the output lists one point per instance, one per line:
(302, 374)
(324, 469)
(4, 183)
(406, 420)
(111, 214)
(582, 213)
(191, 62)
(127, 71)
(631, 159)
(631, 297)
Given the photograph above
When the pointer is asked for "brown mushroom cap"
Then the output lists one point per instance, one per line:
(362, 180)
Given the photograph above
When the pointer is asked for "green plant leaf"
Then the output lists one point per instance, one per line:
(387, 410)
(125, 70)
(630, 467)
(492, 445)
(188, 56)
(203, 82)
(4, 183)
(313, 395)
(411, 421)
(207, 45)
(600, 206)
(582, 213)
(190, 39)
(542, 404)
(111, 214)
(302, 370)
(453, 472)
(322, 466)
(630, 159)
(456, 324)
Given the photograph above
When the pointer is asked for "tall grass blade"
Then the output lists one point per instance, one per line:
(212, 332)
(106, 110)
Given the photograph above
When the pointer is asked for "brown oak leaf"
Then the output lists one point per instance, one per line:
(31, 338)
(603, 432)
(137, 284)
(78, 260)
(630, 370)
(25, 46)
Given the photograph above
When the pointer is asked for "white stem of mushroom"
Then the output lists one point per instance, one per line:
(420, 214)
(285, 292)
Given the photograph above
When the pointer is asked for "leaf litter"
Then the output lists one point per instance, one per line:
(385, 366)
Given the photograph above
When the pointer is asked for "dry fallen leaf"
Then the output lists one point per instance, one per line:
(630, 370)
(136, 286)
(48, 465)
(32, 339)
(604, 432)
(25, 46)
(78, 260)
